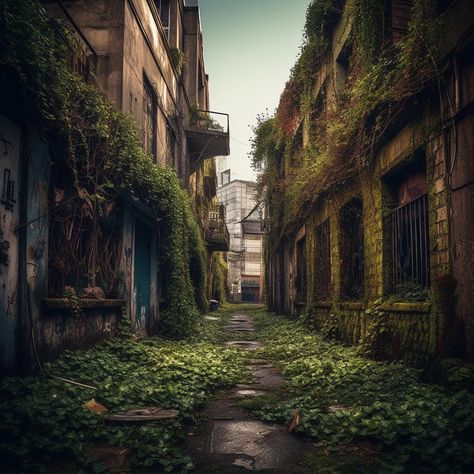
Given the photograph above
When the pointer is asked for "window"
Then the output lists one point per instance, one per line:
(351, 243)
(149, 120)
(170, 144)
(301, 269)
(341, 69)
(409, 244)
(322, 274)
(225, 177)
(400, 12)
(163, 7)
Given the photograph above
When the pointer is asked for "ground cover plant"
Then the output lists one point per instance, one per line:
(345, 399)
(44, 421)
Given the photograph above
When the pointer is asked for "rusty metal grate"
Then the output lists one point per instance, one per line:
(410, 246)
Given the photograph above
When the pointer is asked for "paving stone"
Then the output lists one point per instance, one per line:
(245, 345)
(231, 441)
(269, 445)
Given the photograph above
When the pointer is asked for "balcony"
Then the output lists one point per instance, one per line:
(215, 230)
(207, 136)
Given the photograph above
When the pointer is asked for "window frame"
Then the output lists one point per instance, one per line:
(150, 118)
(322, 261)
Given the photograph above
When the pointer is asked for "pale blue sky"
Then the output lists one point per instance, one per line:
(249, 49)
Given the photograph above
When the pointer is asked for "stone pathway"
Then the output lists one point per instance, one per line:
(229, 440)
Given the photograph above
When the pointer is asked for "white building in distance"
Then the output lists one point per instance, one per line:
(244, 219)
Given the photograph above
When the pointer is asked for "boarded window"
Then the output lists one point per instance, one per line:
(301, 269)
(322, 274)
(352, 250)
(149, 119)
(409, 237)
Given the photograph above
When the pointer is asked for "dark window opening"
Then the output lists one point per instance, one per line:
(149, 122)
(301, 269)
(352, 250)
(163, 7)
(400, 15)
(170, 144)
(409, 234)
(322, 274)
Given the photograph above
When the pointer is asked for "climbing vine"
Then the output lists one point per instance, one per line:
(342, 127)
(97, 157)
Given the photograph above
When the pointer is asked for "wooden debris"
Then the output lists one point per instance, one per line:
(143, 415)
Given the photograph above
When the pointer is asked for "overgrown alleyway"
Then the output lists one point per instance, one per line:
(230, 439)
(347, 413)
(236, 385)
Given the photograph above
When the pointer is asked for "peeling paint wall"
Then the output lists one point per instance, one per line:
(9, 243)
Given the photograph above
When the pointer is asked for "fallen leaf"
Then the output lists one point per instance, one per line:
(295, 421)
(95, 407)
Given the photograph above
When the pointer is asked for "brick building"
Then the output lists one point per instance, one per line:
(390, 244)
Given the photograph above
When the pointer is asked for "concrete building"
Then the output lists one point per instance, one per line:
(244, 221)
(383, 233)
(146, 57)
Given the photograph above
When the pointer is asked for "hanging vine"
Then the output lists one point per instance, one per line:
(341, 136)
(96, 155)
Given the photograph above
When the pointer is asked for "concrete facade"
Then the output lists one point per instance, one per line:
(135, 60)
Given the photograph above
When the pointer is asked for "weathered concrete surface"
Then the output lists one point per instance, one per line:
(245, 345)
(230, 441)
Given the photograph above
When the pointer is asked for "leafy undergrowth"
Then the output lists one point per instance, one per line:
(43, 421)
(348, 402)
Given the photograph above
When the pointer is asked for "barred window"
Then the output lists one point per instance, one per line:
(409, 237)
(301, 269)
(322, 274)
(351, 245)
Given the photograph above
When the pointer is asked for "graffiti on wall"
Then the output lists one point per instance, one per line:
(9, 218)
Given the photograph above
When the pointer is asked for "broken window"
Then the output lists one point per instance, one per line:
(149, 121)
(301, 269)
(352, 250)
(322, 274)
(409, 243)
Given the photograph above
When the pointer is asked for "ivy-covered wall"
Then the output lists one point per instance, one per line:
(85, 167)
(359, 111)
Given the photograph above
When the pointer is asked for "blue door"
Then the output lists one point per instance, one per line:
(142, 275)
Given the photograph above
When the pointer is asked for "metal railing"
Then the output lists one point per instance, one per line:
(209, 120)
(410, 246)
(215, 226)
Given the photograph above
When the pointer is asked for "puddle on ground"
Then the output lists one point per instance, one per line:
(247, 392)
